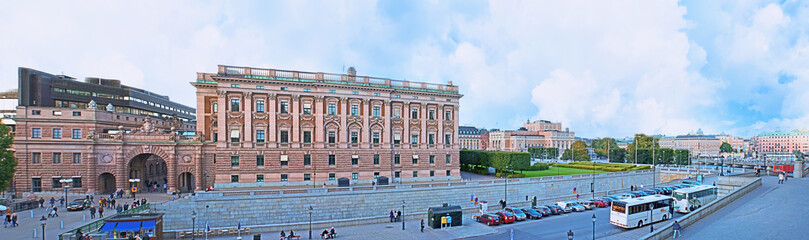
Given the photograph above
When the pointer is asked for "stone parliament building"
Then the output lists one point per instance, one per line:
(252, 128)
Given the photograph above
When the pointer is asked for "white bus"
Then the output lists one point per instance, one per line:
(636, 212)
(688, 199)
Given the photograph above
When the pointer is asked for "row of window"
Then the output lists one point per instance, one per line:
(235, 106)
(335, 91)
(354, 176)
(127, 98)
(57, 133)
(36, 158)
(307, 160)
(235, 137)
(36, 183)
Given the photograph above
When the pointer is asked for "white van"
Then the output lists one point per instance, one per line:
(570, 207)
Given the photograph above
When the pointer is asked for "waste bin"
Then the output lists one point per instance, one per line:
(256, 236)
(382, 181)
(434, 215)
(342, 182)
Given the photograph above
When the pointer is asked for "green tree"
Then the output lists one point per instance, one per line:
(543, 152)
(641, 142)
(665, 156)
(617, 155)
(725, 148)
(580, 152)
(798, 154)
(682, 157)
(600, 146)
(8, 162)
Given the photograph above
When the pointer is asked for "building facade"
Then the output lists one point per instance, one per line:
(277, 127)
(543, 125)
(520, 140)
(470, 138)
(781, 144)
(736, 143)
(698, 145)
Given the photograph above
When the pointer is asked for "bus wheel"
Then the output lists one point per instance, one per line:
(665, 217)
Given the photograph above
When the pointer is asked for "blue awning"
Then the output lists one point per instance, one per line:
(108, 227)
(148, 225)
(127, 226)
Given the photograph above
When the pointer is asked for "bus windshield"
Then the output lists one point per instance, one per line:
(678, 196)
(619, 207)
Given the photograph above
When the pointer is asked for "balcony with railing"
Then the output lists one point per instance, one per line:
(344, 79)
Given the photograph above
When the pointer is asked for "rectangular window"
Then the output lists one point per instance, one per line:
(414, 113)
(355, 160)
(447, 115)
(331, 160)
(76, 182)
(259, 160)
(331, 137)
(448, 139)
(259, 177)
(259, 136)
(431, 138)
(36, 158)
(415, 173)
(234, 105)
(57, 133)
(36, 133)
(234, 136)
(259, 87)
(397, 174)
(332, 109)
(331, 176)
(234, 161)
(57, 157)
(355, 137)
(307, 177)
(449, 173)
(355, 93)
(432, 159)
(76, 133)
(284, 107)
(376, 175)
(375, 138)
(307, 108)
(36, 185)
(376, 111)
(215, 107)
(284, 136)
(307, 160)
(376, 94)
(36, 112)
(396, 159)
(397, 113)
(284, 88)
(55, 183)
(307, 137)
(76, 113)
(307, 89)
(354, 110)
(284, 177)
(355, 176)
(234, 178)
(332, 91)
(431, 114)
(284, 160)
(414, 139)
(260, 106)
(57, 113)
(376, 159)
(77, 158)
(449, 159)
(432, 173)
(234, 85)
(397, 138)
(415, 160)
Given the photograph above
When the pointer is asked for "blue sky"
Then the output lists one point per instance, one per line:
(602, 68)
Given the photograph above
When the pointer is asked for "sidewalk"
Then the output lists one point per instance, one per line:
(388, 231)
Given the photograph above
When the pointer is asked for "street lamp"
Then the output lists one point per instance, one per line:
(310, 221)
(570, 234)
(594, 226)
(66, 183)
(403, 214)
(652, 214)
(193, 225)
(43, 221)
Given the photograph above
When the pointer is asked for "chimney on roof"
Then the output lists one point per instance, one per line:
(352, 72)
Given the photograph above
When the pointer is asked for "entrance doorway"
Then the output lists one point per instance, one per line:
(186, 182)
(106, 183)
(151, 170)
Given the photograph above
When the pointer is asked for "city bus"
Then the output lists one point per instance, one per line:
(688, 199)
(636, 212)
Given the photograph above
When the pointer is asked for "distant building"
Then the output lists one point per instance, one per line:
(470, 138)
(736, 143)
(543, 125)
(780, 144)
(698, 144)
(541, 133)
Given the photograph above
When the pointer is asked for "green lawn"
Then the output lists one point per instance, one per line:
(558, 171)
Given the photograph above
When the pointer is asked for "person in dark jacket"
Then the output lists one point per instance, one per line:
(676, 228)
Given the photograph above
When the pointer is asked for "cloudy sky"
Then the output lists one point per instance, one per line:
(602, 68)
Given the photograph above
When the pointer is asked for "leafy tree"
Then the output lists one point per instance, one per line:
(665, 156)
(617, 155)
(543, 152)
(725, 148)
(798, 154)
(8, 162)
(640, 142)
(600, 146)
(580, 152)
(682, 157)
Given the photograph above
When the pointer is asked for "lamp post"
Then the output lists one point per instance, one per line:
(652, 214)
(43, 221)
(66, 183)
(570, 234)
(403, 215)
(310, 221)
(594, 226)
(193, 225)
(722, 171)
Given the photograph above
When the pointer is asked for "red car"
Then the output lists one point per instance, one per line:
(488, 219)
(600, 202)
(506, 217)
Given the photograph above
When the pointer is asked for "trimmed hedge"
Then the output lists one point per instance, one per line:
(498, 159)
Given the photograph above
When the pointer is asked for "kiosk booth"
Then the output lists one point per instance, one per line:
(121, 227)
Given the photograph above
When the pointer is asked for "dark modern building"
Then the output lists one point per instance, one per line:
(41, 89)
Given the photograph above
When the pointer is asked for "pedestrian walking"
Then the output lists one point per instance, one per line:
(52, 201)
(119, 208)
(676, 228)
(7, 219)
(62, 201)
(100, 212)
(126, 206)
(391, 215)
(14, 220)
(422, 225)
(112, 203)
(92, 212)
(780, 178)
(42, 202)
(399, 215)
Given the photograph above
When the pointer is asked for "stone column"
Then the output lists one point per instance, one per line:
(171, 172)
(199, 175)
(387, 129)
(365, 115)
(248, 118)
(406, 119)
(423, 119)
(272, 128)
(221, 116)
(295, 132)
(440, 119)
(343, 133)
(319, 111)
(798, 173)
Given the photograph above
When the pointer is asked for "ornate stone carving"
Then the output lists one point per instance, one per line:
(432, 122)
(110, 108)
(92, 105)
(106, 159)
(284, 116)
(248, 94)
(354, 119)
(92, 135)
(319, 98)
(236, 115)
(396, 121)
(187, 159)
(260, 116)
(377, 120)
(221, 93)
(331, 118)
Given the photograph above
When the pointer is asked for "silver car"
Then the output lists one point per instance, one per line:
(577, 207)
(518, 214)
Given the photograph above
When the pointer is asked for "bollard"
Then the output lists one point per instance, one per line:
(35, 232)
(83, 218)
(62, 224)
(32, 213)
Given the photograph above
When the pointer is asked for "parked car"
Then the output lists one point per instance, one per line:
(78, 205)
(531, 213)
(488, 219)
(601, 202)
(506, 217)
(689, 182)
(665, 190)
(639, 193)
(556, 209)
(577, 207)
(518, 214)
(649, 191)
(546, 211)
(588, 205)
(567, 207)
(627, 195)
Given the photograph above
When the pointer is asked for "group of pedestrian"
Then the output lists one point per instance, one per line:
(782, 177)
(155, 187)
(327, 234)
(11, 219)
(395, 216)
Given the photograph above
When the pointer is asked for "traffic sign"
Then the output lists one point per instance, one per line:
(134, 189)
